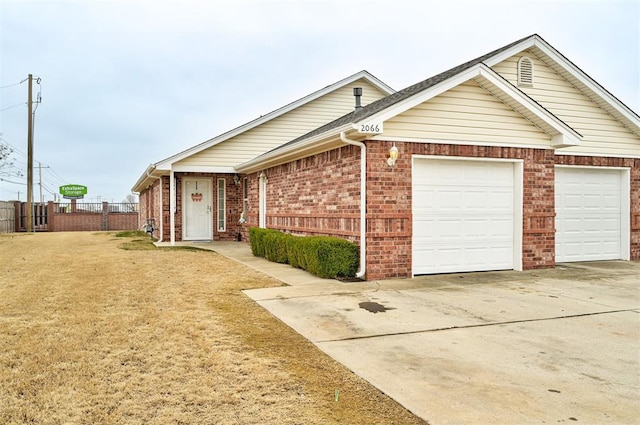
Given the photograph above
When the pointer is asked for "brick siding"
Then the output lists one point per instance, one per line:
(320, 195)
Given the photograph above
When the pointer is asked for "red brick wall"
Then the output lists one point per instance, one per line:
(634, 164)
(150, 207)
(320, 195)
(317, 195)
(88, 221)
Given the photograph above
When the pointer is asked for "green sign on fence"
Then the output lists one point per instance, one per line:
(73, 191)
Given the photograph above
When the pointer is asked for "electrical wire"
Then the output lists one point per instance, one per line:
(11, 85)
(9, 181)
(14, 106)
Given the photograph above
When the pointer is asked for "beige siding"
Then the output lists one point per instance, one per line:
(284, 128)
(466, 113)
(602, 134)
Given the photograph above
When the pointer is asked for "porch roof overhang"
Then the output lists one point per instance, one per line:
(154, 172)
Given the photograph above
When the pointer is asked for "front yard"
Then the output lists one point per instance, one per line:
(91, 333)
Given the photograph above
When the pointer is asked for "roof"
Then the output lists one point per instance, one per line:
(162, 167)
(557, 61)
(394, 98)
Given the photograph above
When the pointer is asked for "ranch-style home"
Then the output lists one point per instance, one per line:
(514, 160)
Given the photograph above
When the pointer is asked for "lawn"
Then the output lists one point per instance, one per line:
(99, 329)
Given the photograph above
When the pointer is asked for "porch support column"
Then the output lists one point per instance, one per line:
(172, 206)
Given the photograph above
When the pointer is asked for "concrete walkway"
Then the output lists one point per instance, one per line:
(534, 347)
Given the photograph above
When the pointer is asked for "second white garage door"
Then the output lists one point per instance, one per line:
(590, 214)
(463, 215)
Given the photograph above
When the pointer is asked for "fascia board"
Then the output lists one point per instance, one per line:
(202, 169)
(288, 153)
(577, 73)
(166, 163)
(506, 54)
(143, 181)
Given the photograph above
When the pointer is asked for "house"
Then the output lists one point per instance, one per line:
(201, 186)
(514, 160)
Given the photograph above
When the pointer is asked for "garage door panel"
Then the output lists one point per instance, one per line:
(588, 214)
(463, 216)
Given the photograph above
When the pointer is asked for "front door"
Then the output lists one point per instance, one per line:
(197, 207)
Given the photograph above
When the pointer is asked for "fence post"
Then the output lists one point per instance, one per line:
(105, 215)
(16, 216)
(51, 216)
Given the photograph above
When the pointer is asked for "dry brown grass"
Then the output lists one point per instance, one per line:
(94, 334)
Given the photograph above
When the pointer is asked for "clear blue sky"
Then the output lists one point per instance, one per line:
(130, 82)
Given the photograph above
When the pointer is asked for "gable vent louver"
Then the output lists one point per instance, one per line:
(525, 72)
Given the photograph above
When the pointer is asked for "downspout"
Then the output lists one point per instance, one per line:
(363, 202)
(160, 225)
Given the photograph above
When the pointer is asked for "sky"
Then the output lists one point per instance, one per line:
(128, 83)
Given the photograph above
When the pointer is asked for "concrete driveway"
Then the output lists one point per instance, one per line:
(534, 347)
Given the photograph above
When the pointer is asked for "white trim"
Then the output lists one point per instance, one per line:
(594, 167)
(518, 195)
(262, 200)
(382, 138)
(224, 205)
(172, 207)
(161, 218)
(202, 169)
(606, 155)
(625, 204)
(183, 209)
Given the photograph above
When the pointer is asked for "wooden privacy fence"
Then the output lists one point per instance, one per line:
(72, 216)
(7, 217)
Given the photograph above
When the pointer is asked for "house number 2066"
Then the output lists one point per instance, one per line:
(370, 128)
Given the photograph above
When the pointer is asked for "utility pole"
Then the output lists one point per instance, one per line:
(40, 167)
(30, 156)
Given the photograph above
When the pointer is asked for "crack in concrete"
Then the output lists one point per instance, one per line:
(479, 325)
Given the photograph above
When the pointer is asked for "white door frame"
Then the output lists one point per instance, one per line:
(209, 230)
(625, 205)
(518, 183)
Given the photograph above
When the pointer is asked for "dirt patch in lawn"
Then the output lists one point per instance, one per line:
(93, 333)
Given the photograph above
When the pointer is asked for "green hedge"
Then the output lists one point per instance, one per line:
(322, 256)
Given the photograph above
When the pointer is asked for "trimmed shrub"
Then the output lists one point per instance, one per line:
(256, 235)
(276, 246)
(322, 256)
(332, 257)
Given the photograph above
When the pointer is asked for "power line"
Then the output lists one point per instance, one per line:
(11, 85)
(9, 181)
(11, 107)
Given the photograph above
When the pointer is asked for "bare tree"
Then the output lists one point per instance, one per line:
(7, 162)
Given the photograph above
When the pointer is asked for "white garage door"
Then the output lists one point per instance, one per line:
(588, 214)
(463, 215)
